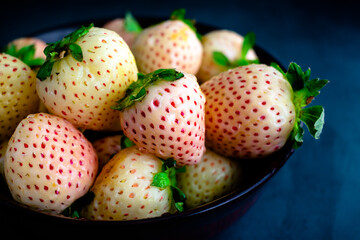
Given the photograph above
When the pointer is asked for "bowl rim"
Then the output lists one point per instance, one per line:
(285, 152)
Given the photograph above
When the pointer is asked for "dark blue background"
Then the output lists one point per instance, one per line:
(316, 195)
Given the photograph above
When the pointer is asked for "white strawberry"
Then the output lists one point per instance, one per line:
(170, 44)
(163, 114)
(123, 190)
(213, 177)
(18, 96)
(251, 111)
(49, 163)
(84, 74)
(106, 147)
(128, 28)
(231, 46)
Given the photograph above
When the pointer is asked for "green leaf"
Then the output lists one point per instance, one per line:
(179, 14)
(35, 62)
(296, 76)
(313, 117)
(137, 90)
(178, 195)
(139, 96)
(76, 52)
(125, 142)
(241, 62)
(131, 24)
(11, 50)
(277, 67)
(25, 54)
(167, 178)
(179, 206)
(315, 85)
(74, 36)
(59, 49)
(220, 59)
(249, 42)
(161, 180)
(297, 135)
(49, 49)
(168, 74)
(168, 164)
(74, 209)
(304, 92)
(181, 169)
(304, 89)
(45, 70)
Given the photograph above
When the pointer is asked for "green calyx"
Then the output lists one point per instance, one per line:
(25, 54)
(137, 90)
(59, 49)
(304, 91)
(167, 178)
(131, 24)
(125, 142)
(179, 14)
(249, 42)
(74, 210)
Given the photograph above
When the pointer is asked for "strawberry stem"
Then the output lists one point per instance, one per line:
(179, 14)
(305, 90)
(59, 49)
(167, 178)
(75, 208)
(137, 90)
(25, 54)
(249, 42)
(131, 24)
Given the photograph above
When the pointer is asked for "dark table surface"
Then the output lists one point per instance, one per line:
(316, 195)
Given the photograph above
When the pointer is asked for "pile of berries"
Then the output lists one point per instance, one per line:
(179, 109)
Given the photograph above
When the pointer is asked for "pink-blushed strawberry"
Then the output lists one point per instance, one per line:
(84, 74)
(49, 163)
(224, 49)
(18, 96)
(163, 114)
(251, 111)
(170, 44)
(106, 147)
(3, 146)
(213, 177)
(128, 28)
(124, 191)
(39, 45)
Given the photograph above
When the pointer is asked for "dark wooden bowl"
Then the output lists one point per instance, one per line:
(201, 222)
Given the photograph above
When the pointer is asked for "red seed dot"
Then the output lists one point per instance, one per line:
(156, 103)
